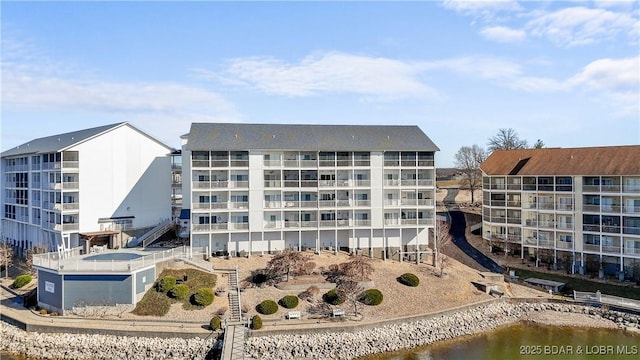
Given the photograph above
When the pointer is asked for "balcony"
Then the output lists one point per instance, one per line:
(564, 226)
(511, 220)
(272, 163)
(70, 206)
(272, 183)
(408, 182)
(327, 183)
(591, 247)
(201, 206)
(308, 224)
(201, 185)
(545, 206)
(344, 182)
(392, 163)
(199, 228)
(392, 182)
(359, 162)
(234, 184)
(326, 203)
(70, 164)
(426, 221)
(547, 224)
(591, 227)
(220, 226)
(238, 205)
(238, 226)
(272, 224)
(610, 188)
(631, 230)
(611, 249)
(615, 209)
(292, 204)
(425, 202)
(361, 202)
(564, 207)
(632, 250)
(272, 204)
(392, 222)
(531, 222)
(200, 163)
(343, 202)
(74, 185)
(564, 245)
(366, 183)
(631, 189)
(221, 204)
(591, 188)
(361, 222)
(409, 202)
(612, 229)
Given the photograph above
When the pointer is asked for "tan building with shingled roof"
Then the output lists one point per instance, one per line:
(572, 208)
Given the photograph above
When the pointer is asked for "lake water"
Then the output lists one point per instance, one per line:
(529, 341)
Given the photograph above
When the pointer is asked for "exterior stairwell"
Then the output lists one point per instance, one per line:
(234, 297)
(154, 234)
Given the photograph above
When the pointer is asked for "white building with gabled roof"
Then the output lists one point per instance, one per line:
(93, 184)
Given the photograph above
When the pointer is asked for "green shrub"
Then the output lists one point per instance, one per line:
(256, 322)
(22, 280)
(267, 307)
(372, 297)
(409, 279)
(334, 297)
(203, 297)
(180, 291)
(166, 284)
(289, 301)
(215, 323)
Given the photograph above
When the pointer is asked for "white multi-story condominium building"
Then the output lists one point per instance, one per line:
(576, 208)
(255, 188)
(93, 182)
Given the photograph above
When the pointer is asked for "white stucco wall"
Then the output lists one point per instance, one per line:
(123, 173)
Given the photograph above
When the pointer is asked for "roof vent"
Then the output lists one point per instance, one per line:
(236, 135)
(273, 136)
(353, 137)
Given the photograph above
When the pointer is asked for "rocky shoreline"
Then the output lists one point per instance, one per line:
(330, 345)
(349, 345)
(33, 345)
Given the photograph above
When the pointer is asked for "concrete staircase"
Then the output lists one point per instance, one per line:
(234, 297)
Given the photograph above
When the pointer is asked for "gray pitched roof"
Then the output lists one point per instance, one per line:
(55, 143)
(224, 136)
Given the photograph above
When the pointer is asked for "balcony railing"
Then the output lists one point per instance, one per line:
(631, 251)
(409, 202)
(611, 249)
(616, 209)
(564, 245)
(612, 229)
(272, 204)
(272, 224)
(70, 206)
(70, 164)
(531, 222)
(590, 188)
(344, 182)
(272, 163)
(564, 207)
(631, 230)
(632, 209)
(237, 184)
(591, 247)
(326, 203)
(327, 183)
(511, 220)
(358, 162)
(408, 182)
(362, 202)
(425, 202)
(631, 188)
(272, 183)
(564, 226)
(591, 227)
(201, 185)
(221, 204)
(70, 185)
(392, 163)
(238, 226)
(392, 182)
(343, 202)
(610, 188)
(201, 206)
(361, 222)
(238, 205)
(363, 183)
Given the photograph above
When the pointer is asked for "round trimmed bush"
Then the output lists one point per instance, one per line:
(409, 279)
(267, 307)
(180, 291)
(334, 297)
(203, 297)
(289, 301)
(166, 284)
(215, 323)
(372, 297)
(256, 322)
(22, 280)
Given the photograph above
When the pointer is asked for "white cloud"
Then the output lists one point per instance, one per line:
(580, 25)
(609, 74)
(484, 9)
(331, 72)
(34, 83)
(503, 34)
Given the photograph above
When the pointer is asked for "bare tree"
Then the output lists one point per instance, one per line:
(28, 262)
(539, 144)
(442, 237)
(358, 269)
(468, 160)
(6, 257)
(287, 262)
(351, 290)
(506, 139)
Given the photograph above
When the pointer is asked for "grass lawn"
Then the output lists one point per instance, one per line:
(579, 284)
(157, 303)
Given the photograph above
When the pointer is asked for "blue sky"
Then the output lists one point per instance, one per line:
(564, 72)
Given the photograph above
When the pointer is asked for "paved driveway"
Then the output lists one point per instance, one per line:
(458, 226)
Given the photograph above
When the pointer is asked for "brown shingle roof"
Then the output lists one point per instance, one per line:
(606, 160)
